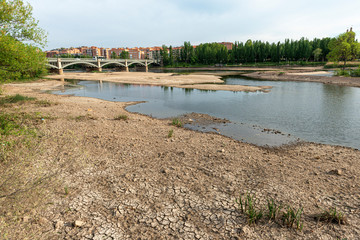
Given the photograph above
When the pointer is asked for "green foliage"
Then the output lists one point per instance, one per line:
(248, 205)
(17, 59)
(332, 215)
(342, 72)
(171, 133)
(273, 209)
(292, 52)
(355, 73)
(344, 48)
(292, 216)
(20, 61)
(317, 53)
(121, 117)
(125, 55)
(16, 124)
(14, 99)
(176, 122)
(16, 21)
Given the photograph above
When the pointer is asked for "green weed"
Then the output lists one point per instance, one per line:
(332, 215)
(176, 122)
(292, 216)
(247, 204)
(273, 209)
(121, 117)
(170, 134)
(66, 190)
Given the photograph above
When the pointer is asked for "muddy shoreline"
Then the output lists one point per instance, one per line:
(291, 76)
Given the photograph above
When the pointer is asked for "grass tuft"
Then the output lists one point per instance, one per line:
(273, 209)
(248, 205)
(176, 122)
(121, 117)
(332, 215)
(292, 216)
(171, 133)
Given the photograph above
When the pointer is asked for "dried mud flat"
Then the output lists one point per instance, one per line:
(125, 179)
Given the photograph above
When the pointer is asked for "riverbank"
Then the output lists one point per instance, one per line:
(304, 76)
(194, 81)
(104, 175)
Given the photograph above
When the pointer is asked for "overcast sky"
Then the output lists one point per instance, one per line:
(145, 23)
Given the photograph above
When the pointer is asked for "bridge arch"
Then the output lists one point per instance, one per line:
(80, 63)
(115, 63)
(137, 62)
(51, 66)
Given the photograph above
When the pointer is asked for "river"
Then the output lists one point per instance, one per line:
(305, 111)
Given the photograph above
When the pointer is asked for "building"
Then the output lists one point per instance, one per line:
(228, 45)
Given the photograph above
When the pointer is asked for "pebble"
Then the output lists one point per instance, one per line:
(79, 223)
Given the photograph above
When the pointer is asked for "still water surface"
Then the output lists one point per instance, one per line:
(310, 111)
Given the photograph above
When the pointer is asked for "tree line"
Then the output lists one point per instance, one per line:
(249, 52)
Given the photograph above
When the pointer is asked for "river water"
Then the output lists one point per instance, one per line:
(307, 111)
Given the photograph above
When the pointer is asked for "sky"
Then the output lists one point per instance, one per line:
(147, 23)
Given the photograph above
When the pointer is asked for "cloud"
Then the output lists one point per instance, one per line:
(118, 23)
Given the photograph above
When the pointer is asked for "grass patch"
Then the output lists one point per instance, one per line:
(44, 103)
(15, 99)
(332, 215)
(249, 205)
(121, 117)
(171, 133)
(292, 216)
(273, 209)
(176, 122)
(84, 118)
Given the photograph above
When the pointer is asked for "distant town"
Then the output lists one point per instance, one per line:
(107, 53)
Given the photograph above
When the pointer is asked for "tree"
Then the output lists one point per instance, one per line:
(317, 53)
(16, 20)
(344, 48)
(19, 60)
(19, 37)
(124, 55)
(113, 55)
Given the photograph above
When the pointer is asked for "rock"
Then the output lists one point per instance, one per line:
(43, 221)
(59, 225)
(26, 219)
(338, 172)
(79, 223)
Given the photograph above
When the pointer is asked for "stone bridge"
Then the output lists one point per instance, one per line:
(59, 64)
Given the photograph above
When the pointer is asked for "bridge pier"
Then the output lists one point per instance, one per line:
(60, 71)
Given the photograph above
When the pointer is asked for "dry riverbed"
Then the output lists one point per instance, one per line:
(103, 176)
(195, 81)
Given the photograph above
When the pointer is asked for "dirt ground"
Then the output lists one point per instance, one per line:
(127, 179)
